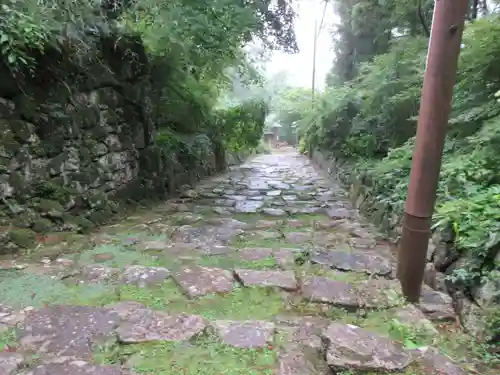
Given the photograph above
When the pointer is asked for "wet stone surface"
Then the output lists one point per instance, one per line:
(76, 368)
(143, 276)
(273, 279)
(96, 273)
(295, 361)
(434, 363)
(351, 347)
(141, 324)
(367, 294)
(66, 332)
(355, 261)
(323, 289)
(413, 317)
(255, 254)
(199, 281)
(269, 256)
(244, 334)
(10, 362)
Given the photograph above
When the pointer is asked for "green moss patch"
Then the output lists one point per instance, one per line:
(19, 289)
(115, 256)
(205, 356)
(241, 304)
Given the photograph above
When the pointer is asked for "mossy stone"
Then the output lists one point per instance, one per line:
(50, 207)
(84, 224)
(100, 217)
(25, 219)
(56, 165)
(23, 130)
(42, 225)
(24, 238)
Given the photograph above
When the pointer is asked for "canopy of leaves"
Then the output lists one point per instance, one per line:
(191, 46)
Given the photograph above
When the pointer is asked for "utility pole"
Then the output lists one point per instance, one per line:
(435, 108)
(315, 45)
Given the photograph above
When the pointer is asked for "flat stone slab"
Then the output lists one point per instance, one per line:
(376, 293)
(339, 213)
(438, 313)
(303, 330)
(144, 276)
(294, 361)
(434, 363)
(267, 224)
(206, 234)
(274, 212)
(97, 273)
(273, 279)
(66, 332)
(76, 368)
(349, 347)
(248, 206)
(199, 281)
(141, 324)
(412, 316)
(355, 261)
(379, 294)
(9, 317)
(325, 290)
(214, 249)
(255, 253)
(433, 297)
(244, 334)
(10, 362)
(298, 237)
(285, 257)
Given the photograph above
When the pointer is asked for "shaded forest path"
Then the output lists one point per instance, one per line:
(265, 270)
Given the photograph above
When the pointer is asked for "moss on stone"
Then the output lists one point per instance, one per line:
(9, 144)
(98, 200)
(85, 155)
(42, 225)
(53, 190)
(24, 238)
(56, 165)
(99, 133)
(25, 219)
(50, 206)
(23, 130)
(101, 216)
(84, 224)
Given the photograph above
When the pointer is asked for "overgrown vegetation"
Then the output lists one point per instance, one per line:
(194, 52)
(368, 115)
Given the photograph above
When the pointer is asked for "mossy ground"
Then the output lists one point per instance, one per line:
(205, 355)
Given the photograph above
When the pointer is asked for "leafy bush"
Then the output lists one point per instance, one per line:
(368, 114)
(191, 47)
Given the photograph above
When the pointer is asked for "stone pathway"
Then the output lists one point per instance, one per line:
(265, 270)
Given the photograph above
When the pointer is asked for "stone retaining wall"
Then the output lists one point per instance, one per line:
(476, 313)
(78, 139)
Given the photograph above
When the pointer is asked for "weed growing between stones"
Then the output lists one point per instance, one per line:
(240, 304)
(206, 355)
(230, 261)
(28, 289)
(7, 339)
(115, 256)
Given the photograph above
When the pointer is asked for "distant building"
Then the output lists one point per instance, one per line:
(271, 136)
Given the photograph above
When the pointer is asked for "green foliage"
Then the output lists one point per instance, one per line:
(369, 114)
(191, 48)
(242, 125)
(19, 32)
(410, 337)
